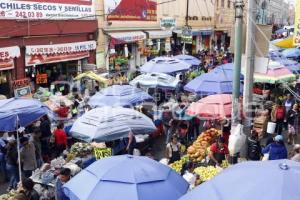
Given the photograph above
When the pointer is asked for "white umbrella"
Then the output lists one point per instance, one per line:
(107, 124)
(154, 80)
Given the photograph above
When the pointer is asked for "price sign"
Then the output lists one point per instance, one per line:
(41, 78)
(102, 153)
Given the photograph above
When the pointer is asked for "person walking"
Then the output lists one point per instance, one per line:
(292, 121)
(45, 129)
(279, 115)
(28, 156)
(254, 148)
(276, 150)
(61, 140)
(12, 164)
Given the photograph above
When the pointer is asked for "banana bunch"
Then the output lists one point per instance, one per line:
(206, 173)
(225, 164)
(177, 165)
(8, 196)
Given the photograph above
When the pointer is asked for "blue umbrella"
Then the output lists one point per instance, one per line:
(126, 177)
(188, 59)
(276, 180)
(280, 31)
(211, 83)
(16, 112)
(165, 65)
(119, 95)
(291, 53)
(292, 65)
(228, 70)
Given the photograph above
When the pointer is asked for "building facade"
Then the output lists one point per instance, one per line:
(129, 36)
(45, 42)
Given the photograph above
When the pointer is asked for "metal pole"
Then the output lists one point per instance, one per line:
(249, 68)
(237, 60)
(187, 13)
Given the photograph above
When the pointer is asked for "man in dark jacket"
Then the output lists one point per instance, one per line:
(254, 148)
(45, 129)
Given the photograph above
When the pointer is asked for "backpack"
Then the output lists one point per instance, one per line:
(280, 113)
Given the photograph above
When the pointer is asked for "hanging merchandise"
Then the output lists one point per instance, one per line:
(126, 51)
(158, 44)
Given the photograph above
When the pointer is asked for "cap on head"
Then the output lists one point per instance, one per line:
(278, 138)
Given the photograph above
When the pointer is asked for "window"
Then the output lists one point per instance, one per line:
(228, 4)
(222, 3)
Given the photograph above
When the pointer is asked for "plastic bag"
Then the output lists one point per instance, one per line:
(237, 140)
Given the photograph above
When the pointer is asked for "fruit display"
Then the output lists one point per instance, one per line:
(207, 173)
(225, 164)
(198, 150)
(81, 149)
(177, 165)
(8, 196)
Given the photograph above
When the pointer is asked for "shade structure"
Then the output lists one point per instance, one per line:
(126, 177)
(260, 180)
(155, 80)
(211, 83)
(16, 112)
(217, 106)
(93, 76)
(119, 95)
(227, 70)
(188, 59)
(292, 65)
(291, 53)
(108, 124)
(284, 43)
(276, 73)
(165, 65)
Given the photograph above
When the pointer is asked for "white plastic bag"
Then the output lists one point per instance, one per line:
(237, 140)
(266, 157)
(136, 152)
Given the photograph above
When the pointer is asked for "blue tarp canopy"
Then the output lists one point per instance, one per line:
(119, 95)
(16, 112)
(227, 70)
(126, 177)
(291, 53)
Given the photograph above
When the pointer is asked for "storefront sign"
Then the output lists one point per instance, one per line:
(159, 34)
(7, 64)
(31, 60)
(22, 92)
(102, 153)
(130, 10)
(41, 78)
(167, 23)
(20, 83)
(196, 18)
(128, 37)
(296, 39)
(9, 52)
(47, 9)
(61, 48)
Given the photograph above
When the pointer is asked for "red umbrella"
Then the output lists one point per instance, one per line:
(216, 106)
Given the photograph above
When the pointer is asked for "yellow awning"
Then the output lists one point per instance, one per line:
(93, 76)
(285, 43)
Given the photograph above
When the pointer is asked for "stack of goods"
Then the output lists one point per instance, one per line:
(198, 150)
(8, 196)
(79, 150)
(207, 173)
(177, 165)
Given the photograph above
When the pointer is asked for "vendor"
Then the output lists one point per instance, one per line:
(218, 152)
(64, 176)
(173, 150)
(63, 110)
